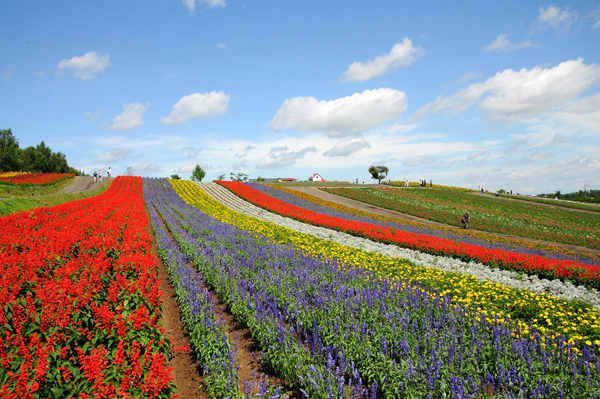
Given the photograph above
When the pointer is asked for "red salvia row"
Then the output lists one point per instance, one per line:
(532, 264)
(36, 178)
(79, 297)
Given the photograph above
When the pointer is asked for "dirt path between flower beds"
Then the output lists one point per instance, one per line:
(84, 184)
(187, 371)
(386, 212)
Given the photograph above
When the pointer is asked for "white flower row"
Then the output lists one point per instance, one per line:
(557, 288)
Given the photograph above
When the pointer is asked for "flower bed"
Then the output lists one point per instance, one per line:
(488, 213)
(34, 178)
(318, 205)
(392, 337)
(531, 264)
(80, 297)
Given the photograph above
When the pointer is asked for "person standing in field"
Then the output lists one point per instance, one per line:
(95, 176)
(465, 220)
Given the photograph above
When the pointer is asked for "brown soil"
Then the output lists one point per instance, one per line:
(386, 212)
(84, 184)
(187, 371)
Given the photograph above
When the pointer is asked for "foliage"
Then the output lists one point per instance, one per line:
(20, 204)
(198, 174)
(175, 177)
(488, 213)
(400, 340)
(239, 177)
(531, 264)
(378, 172)
(80, 296)
(31, 159)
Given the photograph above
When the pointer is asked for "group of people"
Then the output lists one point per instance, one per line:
(98, 174)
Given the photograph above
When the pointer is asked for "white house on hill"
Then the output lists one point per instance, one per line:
(315, 177)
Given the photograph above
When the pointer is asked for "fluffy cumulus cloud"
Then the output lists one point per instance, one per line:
(191, 4)
(342, 117)
(283, 156)
(132, 117)
(198, 105)
(118, 154)
(402, 55)
(503, 44)
(86, 66)
(347, 147)
(557, 18)
(514, 95)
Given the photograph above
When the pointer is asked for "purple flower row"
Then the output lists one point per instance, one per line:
(359, 329)
(456, 236)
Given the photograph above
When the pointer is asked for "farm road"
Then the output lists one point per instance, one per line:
(84, 184)
(386, 212)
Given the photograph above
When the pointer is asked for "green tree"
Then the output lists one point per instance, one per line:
(130, 171)
(239, 177)
(175, 177)
(378, 172)
(221, 177)
(198, 174)
(10, 160)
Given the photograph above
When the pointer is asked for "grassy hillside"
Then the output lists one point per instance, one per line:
(487, 213)
(18, 199)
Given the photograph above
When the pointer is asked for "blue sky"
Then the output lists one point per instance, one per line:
(493, 94)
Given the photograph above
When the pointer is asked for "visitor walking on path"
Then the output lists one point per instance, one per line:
(465, 220)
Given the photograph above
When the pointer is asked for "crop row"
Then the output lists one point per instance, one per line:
(530, 264)
(576, 320)
(400, 338)
(487, 213)
(80, 296)
(35, 178)
(319, 205)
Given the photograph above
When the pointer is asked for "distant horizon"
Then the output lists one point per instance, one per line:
(500, 95)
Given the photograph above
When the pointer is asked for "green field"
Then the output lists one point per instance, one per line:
(490, 214)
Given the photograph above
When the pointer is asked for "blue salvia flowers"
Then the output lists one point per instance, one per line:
(337, 332)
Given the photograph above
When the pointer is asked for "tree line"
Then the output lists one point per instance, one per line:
(40, 158)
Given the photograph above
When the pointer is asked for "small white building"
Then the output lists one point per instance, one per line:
(315, 177)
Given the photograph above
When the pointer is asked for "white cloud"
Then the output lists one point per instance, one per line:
(556, 18)
(402, 55)
(347, 147)
(221, 45)
(118, 154)
(345, 116)
(429, 161)
(147, 168)
(190, 152)
(10, 71)
(469, 76)
(197, 105)
(279, 157)
(87, 66)
(132, 117)
(511, 95)
(244, 153)
(191, 4)
(92, 116)
(503, 44)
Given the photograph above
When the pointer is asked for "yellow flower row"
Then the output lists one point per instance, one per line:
(577, 321)
(12, 174)
(474, 234)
